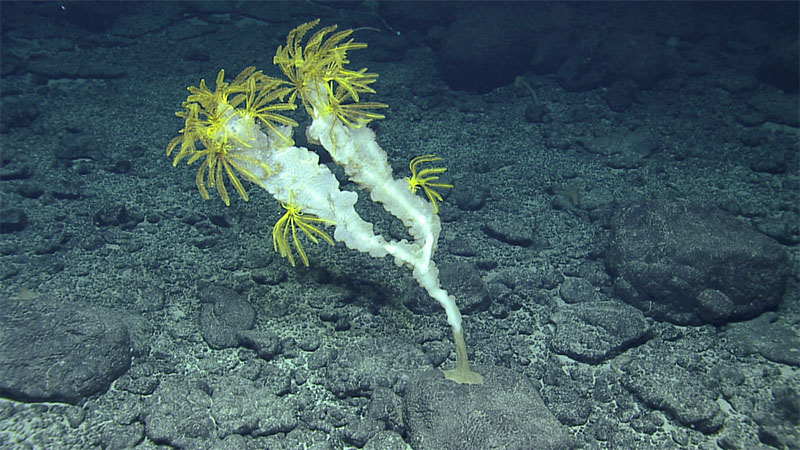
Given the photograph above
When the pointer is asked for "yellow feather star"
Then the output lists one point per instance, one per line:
(426, 179)
(293, 219)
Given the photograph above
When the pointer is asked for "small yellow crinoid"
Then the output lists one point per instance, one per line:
(317, 70)
(252, 97)
(293, 219)
(426, 179)
(352, 114)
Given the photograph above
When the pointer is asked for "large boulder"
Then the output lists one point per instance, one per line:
(693, 265)
(506, 411)
(57, 351)
(485, 48)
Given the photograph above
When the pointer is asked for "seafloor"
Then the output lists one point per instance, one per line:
(622, 234)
